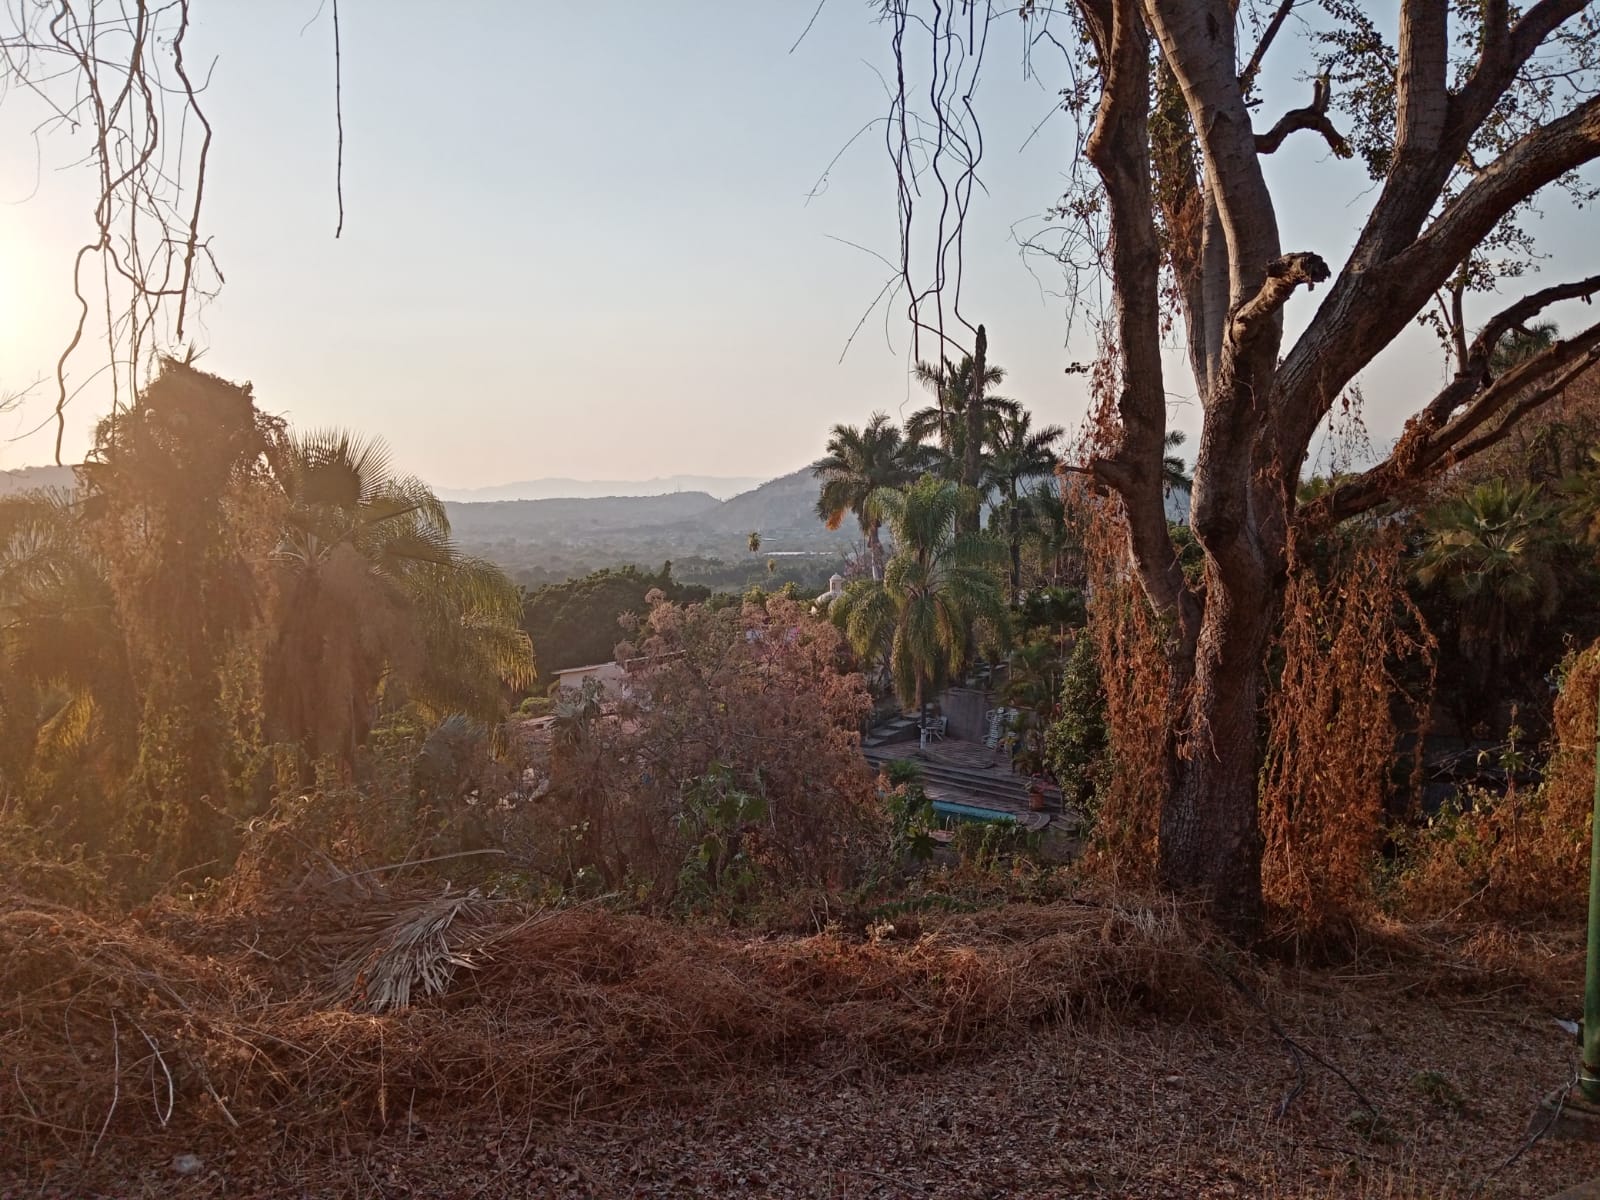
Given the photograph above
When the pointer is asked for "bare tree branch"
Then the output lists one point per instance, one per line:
(1313, 116)
(1284, 275)
(1486, 411)
(1247, 77)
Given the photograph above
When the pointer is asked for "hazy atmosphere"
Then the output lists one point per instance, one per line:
(823, 599)
(557, 211)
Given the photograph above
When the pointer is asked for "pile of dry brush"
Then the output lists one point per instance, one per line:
(349, 1007)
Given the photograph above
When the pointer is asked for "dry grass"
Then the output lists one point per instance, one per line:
(127, 1041)
(557, 1013)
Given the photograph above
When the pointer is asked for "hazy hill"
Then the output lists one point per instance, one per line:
(26, 479)
(782, 509)
(572, 517)
(718, 486)
(706, 539)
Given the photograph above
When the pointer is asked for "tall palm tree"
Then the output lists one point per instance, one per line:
(1491, 552)
(858, 463)
(944, 422)
(1018, 451)
(373, 591)
(177, 510)
(937, 588)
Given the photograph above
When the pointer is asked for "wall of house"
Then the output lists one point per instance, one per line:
(965, 708)
(611, 677)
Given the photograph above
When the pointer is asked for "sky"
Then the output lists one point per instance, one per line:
(588, 240)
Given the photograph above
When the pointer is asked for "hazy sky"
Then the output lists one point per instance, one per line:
(578, 241)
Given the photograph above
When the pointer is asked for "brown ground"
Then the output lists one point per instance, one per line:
(1031, 1051)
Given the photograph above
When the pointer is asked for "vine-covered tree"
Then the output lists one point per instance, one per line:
(1462, 116)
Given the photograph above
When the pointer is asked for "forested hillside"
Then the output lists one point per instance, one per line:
(708, 540)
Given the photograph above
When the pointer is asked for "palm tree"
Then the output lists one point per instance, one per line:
(1491, 553)
(1018, 452)
(1517, 346)
(374, 592)
(64, 679)
(1174, 471)
(945, 421)
(859, 462)
(754, 542)
(937, 588)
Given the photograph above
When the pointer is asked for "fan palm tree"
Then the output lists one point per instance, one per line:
(63, 665)
(859, 462)
(936, 589)
(1018, 451)
(1491, 552)
(373, 590)
(945, 421)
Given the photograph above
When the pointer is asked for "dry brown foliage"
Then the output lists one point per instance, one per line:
(1331, 731)
(1525, 853)
(1134, 671)
(113, 1030)
(1130, 646)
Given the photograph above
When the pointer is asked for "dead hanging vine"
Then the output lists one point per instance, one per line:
(117, 74)
(114, 73)
(1331, 727)
(935, 151)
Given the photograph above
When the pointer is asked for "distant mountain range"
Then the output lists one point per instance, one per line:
(539, 538)
(551, 538)
(27, 479)
(719, 486)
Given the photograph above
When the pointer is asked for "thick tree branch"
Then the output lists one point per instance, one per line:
(1119, 150)
(1535, 160)
(1197, 41)
(1284, 274)
(1422, 98)
(1368, 308)
(1313, 116)
(1488, 410)
(1426, 155)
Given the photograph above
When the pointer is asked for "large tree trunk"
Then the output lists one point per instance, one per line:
(972, 456)
(1210, 838)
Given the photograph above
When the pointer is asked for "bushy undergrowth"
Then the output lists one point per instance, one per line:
(1525, 851)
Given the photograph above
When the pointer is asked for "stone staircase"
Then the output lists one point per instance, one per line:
(975, 786)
